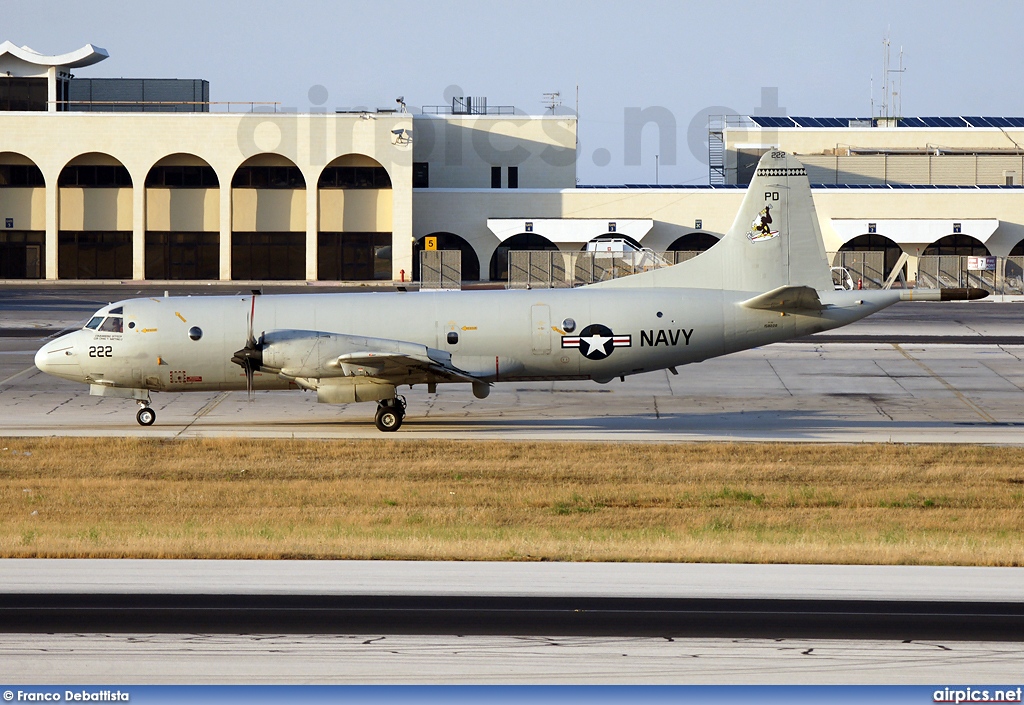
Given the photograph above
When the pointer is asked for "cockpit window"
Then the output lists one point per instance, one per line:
(94, 322)
(113, 324)
(116, 311)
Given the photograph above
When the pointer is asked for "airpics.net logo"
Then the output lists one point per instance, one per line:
(978, 695)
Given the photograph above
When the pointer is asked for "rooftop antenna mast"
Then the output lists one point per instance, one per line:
(552, 101)
(892, 102)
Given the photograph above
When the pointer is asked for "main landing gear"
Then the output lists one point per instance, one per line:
(146, 416)
(390, 413)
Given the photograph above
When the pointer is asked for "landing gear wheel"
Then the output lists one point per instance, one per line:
(389, 415)
(146, 416)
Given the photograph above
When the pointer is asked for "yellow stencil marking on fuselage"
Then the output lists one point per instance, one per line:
(181, 317)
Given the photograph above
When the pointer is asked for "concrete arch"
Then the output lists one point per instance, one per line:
(875, 242)
(498, 269)
(183, 160)
(957, 244)
(80, 163)
(20, 162)
(23, 206)
(697, 241)
(449, 241)
(356, 161)
(293, 179)
(182, 238)
(95, 218)
(268, 219)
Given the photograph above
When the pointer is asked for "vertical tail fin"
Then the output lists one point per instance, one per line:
(774, 241)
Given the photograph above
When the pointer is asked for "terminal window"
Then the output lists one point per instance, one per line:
(24, 175)
(421, 175)
(22, 93)
(95, 176)
(513, 177)
(495, 177)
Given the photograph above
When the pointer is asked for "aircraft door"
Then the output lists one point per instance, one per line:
(540, 318)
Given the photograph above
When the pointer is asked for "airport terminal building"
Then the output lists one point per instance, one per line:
(147, 179)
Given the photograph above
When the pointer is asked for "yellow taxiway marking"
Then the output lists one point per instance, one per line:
(959, 395)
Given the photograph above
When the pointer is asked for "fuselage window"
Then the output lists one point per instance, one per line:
(94, 322)
(113, 324)
(453, 337)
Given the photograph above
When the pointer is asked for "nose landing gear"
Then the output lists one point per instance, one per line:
(390, 414)
(146, 416)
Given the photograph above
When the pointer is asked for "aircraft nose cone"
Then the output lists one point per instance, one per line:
(40, 358)
(58, 357)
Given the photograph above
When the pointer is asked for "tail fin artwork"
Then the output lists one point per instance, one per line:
(774, 242)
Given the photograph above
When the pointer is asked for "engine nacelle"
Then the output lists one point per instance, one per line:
(343, 391)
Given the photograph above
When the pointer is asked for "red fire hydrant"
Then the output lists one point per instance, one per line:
(402, 272)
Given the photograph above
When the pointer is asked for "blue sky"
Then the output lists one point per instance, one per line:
(962, 58)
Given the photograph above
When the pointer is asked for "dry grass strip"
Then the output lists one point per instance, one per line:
(759, 503)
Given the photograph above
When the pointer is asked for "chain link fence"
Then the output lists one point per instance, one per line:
(867, 269)
(441, 269)
(550, 269)
(529, 269)
(997, 275)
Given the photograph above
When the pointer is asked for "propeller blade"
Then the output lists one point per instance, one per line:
(250, 358)
(250, 341)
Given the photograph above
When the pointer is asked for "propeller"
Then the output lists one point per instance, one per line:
(250, 358)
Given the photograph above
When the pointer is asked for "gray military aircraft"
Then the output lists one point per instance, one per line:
(765, 281)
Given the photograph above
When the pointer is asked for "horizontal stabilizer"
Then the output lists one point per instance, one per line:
(787, 299)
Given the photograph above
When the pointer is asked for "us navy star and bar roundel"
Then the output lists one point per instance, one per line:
(596, 342)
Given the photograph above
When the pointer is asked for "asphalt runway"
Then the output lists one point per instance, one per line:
(146, 658)
(770, 604)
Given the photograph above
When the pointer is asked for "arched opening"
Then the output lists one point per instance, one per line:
(354, 239)
(689, 246)
(449, 241)
(693, 242)
(268, 232)
(182, 219)
(880, 255)
(22, 206)
(958, 244)
(95, 236)
(523, 241)
(945, 263)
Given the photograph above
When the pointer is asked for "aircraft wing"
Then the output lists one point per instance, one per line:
(788, 299)
(397, 366)
(319, 355)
